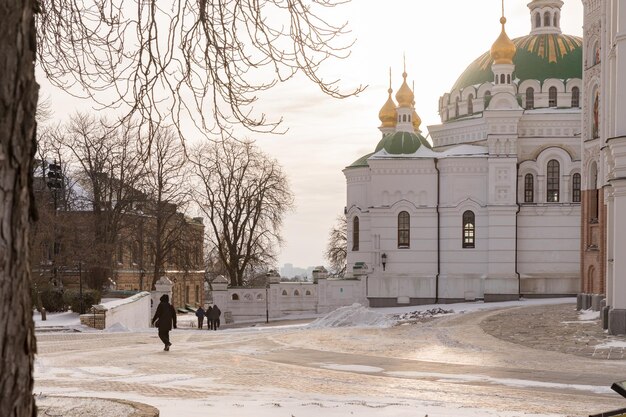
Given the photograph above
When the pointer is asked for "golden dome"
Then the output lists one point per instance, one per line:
(387, 113)
(404, 96)
(503, 49)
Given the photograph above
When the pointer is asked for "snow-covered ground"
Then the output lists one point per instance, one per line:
(353, 361)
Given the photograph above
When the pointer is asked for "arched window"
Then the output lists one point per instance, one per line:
(501, 78)
(555, 20)
(470, 104)
(234, 297)
(552, 97)
(456, 107)
(530, 98)
(308, 292)
(538, 20)
(259, 296)
(576, 188)
(575, 97)
(404, 230)
(296, 293)
(546, 19)
(284, 292)
(554, 177)
(469, 229)
(355, 234)
(529, 188)
(508, 78)
(404, 117)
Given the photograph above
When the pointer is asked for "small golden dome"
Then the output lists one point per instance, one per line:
(404, 96)
(387, 113)
(503, 49)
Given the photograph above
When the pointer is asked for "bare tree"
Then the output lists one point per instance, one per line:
(18, 104)
(244, 194)
(165, 185)
(337, 247)
(188, 57)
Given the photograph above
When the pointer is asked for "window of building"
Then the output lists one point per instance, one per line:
(594, 200)
(501, 78)
(469, 229)
(404, 230)
(529, 188)
(538, 20)
(284, 292)
(307, 292)
(355, 234)
(296, 293)
(552, 97)
(553, 181)
(456, 107)
(187, 294)
(197, 294)
(530, 98)
(470, 104)
(575, 97)
(508, 78)
(546, 19)
(234, 297)
(576, 188)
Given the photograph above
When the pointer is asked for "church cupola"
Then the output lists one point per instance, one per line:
(387, 113)
(502, 53)
(545, 16)
(405, 98)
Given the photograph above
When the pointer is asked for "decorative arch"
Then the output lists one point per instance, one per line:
(234, 296)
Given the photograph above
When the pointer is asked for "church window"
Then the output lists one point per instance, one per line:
(538, 20)
(501, 78)
(552, 97)
(575, 97)
(355, 234)
(296, 293)
(553, 181)
(594, 201)
(576, 188)
(404, 230)
(508, 78)
(530, 98)
(234, 297)
(469, 229)
(404, 117)
(546, 19)
(456, 107)
(555, 20)
(470, 104)
(595, 125)
(284, 292)
(529, 188)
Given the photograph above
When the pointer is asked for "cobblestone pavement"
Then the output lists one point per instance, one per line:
(532, 360)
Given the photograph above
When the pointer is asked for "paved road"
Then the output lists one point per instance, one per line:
(540, 360)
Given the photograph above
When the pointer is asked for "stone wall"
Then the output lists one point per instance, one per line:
(132, 313)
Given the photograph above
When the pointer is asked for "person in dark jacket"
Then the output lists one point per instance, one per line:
(209, 318)
(215, 314)
(165, 318)
(200, 316)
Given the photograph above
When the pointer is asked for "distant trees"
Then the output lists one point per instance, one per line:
(244, 194)
(337, 246)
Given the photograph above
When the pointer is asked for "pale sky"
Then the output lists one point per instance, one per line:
(440, 39)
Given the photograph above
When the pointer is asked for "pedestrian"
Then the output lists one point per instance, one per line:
(216, 314)
(209, 318)
(200, 314)
(165, 318)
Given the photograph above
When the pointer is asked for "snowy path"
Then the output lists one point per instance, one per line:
(445, 367)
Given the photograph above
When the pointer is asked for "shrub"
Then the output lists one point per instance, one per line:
(52, 299)
(90, 297)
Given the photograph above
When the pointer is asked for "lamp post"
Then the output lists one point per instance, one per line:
(383, 259)
(267, 304)
(80, 287)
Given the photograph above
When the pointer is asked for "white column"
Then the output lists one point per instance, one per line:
(608, 198)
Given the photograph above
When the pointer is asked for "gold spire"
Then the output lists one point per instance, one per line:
(387, 113)
(404, 96)
(503, 49)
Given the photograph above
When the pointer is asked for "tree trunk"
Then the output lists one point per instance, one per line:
(18, 101)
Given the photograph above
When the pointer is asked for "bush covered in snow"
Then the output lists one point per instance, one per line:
(421, 315)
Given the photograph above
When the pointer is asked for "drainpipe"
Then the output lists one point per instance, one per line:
(519, 277)
(438, 237)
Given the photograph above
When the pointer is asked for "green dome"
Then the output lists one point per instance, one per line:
(402, 143)
(538, 57)
(361, 162)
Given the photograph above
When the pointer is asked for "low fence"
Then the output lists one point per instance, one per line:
(131, 313)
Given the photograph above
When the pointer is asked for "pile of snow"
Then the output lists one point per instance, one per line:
(117, 328)
(419, 315)
(588, 315)
(353, 316)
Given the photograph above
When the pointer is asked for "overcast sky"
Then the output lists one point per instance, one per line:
(440, 39)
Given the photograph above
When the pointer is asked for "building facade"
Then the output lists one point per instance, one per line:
(604, 159)
(492, 208)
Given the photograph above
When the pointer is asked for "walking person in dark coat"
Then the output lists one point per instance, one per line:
(216, 313)
(200, 315)
(165, 318)
(209, 319)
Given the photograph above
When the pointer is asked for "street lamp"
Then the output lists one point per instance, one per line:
(383, 259)
(267, 305)
(80, 287)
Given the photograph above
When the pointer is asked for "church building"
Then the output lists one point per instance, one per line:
(490, 207)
